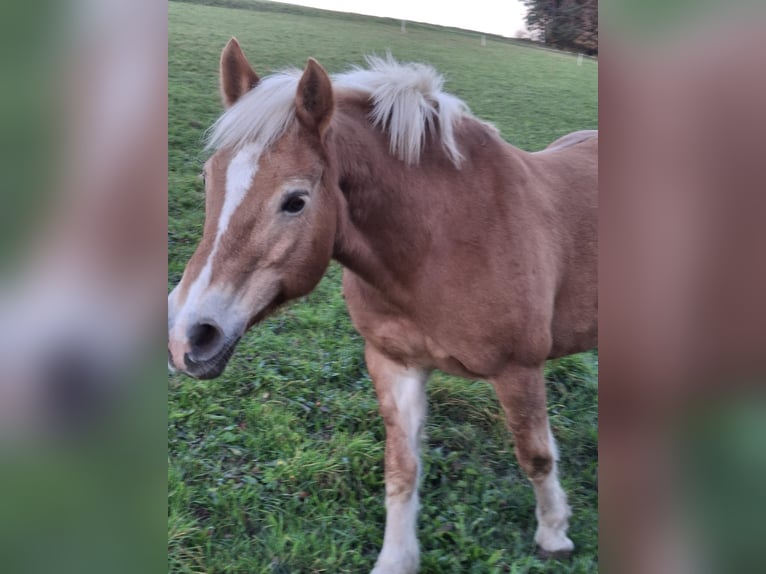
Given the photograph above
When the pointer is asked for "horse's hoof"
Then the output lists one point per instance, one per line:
(553, 554)
(401, 563)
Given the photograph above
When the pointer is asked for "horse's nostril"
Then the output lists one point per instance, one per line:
(205, 340)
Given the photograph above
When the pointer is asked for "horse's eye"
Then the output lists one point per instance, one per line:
(293, 204)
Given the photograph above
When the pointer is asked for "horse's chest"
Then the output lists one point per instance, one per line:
(398, 335)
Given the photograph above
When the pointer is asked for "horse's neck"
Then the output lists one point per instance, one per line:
(390, 212)
(378, 236)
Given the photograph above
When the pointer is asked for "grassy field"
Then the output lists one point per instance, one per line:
(277, 467)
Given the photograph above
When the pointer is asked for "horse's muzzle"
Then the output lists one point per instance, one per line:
(208, 351)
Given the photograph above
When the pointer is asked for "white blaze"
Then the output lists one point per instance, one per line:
(239, 178)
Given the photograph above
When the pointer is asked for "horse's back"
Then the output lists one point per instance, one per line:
(570, 139)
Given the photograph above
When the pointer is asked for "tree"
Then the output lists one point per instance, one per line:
(565, 24)
(588, 37)
(540, 15)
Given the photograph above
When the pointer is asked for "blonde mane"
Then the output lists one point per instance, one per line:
(407, 102)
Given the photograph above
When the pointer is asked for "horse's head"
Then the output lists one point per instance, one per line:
(270, 221)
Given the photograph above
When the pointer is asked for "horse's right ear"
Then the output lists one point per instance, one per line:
(314, 99)
(237, 76)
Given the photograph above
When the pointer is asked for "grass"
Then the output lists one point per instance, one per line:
(277, 467)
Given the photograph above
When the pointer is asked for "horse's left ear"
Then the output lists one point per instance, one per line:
(314, 100)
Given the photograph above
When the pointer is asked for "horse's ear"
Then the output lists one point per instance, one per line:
(314, 100)
(237, 76)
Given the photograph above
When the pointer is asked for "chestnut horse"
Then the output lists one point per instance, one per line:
(461, 253)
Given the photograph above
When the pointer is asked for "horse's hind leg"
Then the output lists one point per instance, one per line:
(521, 391)
(402, 400)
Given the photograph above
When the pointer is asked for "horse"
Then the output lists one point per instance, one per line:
(460, 252)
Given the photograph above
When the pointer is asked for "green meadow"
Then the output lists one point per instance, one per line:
(277, 467)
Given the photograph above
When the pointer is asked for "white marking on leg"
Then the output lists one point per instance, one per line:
(400, 553)
(552, 509)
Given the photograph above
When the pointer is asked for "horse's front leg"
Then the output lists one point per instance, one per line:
(402, 401)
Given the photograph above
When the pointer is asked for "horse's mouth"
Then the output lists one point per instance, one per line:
(213, 367)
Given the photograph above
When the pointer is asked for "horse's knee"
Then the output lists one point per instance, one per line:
(541, 465)
(536, 463)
